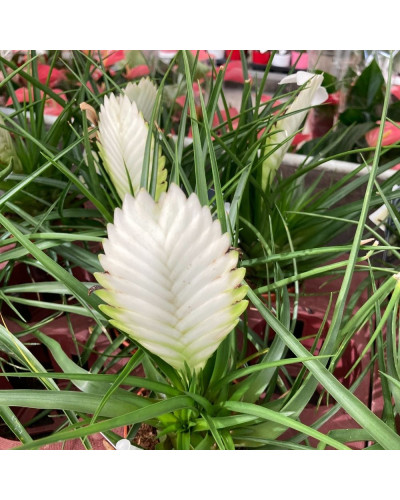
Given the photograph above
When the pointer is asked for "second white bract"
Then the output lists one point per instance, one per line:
(170, 280)
(143, 93)
(122, 140)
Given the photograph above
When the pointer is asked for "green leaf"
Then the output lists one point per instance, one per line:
(283, 420)
(368, 88)
(330, 82)
(54, 269)
(65, 400)
(135, 359)
(143, 414)
(7, 170)
(133, 381)
(352, 405)
(394, 111)
(199, 160)
(14, 424)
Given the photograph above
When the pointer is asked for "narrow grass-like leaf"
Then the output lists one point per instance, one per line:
(135, 359)
(352, 405)
(14, 424)
(106, 378)
(76, 287)
(82, 188)
(199, 160)
(267, 414)
(141, 415)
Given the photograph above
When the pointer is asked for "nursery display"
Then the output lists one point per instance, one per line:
(166, 284)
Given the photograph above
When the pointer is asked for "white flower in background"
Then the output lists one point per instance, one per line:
(144, 95)
(380, 216)
(311, 95)
(122, 139)
(170, 281)
(6, 54)
(314, 95)
(125, 444)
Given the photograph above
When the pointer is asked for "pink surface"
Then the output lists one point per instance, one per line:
(234, 72)
(302, 63)
(51, 106)
(204, 56)
(59, 331)
(137, 72)
(56, 75)
(391, 135)
(395, 90)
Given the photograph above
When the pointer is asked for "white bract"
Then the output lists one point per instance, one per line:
(144, 95)
(311, 95)
(122, 141)
(379, 217)
(170, 280)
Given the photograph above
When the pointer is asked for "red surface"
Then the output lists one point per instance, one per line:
(235, 55)
(260, 58)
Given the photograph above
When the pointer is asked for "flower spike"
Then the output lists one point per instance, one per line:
(170, 281)
(122, 141)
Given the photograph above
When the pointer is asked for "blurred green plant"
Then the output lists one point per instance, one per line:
(363, 96)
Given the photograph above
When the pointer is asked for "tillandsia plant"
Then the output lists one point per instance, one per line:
(284, 212)
(272, 151)
(122, 138)
(169, 340)
(170, 278)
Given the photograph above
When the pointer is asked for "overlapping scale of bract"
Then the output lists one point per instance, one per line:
(122, 141)
(170, 281)
(143, 93)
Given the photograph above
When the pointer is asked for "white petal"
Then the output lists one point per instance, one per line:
(300, 78)
(299, 108)
(320, 96)
(303, 76)
(170, 281)
(288, 79)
